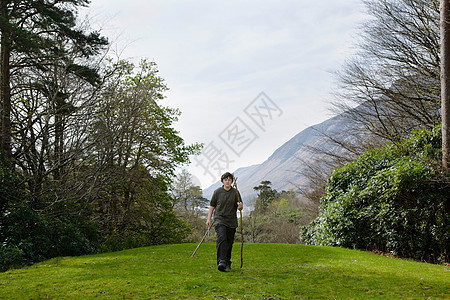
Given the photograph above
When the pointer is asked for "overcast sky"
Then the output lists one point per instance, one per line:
(246, 75)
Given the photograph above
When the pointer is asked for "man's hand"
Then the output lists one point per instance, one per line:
(240, 206)
(210, 213)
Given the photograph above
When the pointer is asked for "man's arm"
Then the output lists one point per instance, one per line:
(210, 212)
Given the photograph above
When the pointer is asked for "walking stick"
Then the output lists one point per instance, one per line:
(240, 213)
(206, 233)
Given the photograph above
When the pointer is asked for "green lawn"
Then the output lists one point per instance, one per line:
(270, 271)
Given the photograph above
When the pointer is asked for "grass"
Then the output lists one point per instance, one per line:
(270, 271)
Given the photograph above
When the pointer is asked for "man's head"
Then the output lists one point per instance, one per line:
(227, 175)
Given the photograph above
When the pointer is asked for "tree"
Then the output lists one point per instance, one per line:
(281, 220)
(31, 34)
(445, 82)
(188, 198)
(265, 195)
(394, 78)
(189, 203)
(390, 86)
(52, 113)
(131, 128)
(135, 149)
(90, 138)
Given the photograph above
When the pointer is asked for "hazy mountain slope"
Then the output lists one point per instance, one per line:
(285, 168)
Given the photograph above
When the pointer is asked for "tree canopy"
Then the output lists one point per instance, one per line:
(87, 144)
(395, 76)
(41, 36)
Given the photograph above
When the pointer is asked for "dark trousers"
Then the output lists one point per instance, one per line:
(224, 244)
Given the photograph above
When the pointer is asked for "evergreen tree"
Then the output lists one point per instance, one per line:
(265, 195)
(32, 35)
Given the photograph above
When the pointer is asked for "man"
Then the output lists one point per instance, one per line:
(224, 204)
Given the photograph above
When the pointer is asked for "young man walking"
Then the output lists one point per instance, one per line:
(224, 204)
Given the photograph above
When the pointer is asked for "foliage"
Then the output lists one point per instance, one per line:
(189, 204)
(11, 189)
(393, 200)
(270, 271)
(94, 146)
(277, 217)
(149, 220)
(187, 197)
(265, 195)
(41, 37)
(131, 127)
(389, 87)
(26, 236)
(135, 153)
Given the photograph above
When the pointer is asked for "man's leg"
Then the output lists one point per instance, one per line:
(221, 246)
(230, 239)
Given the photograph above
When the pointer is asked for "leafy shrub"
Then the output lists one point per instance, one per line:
(393, 200)
(168, 230)
(280, 220)
(26, 236)
(11, 190)
(157, 225)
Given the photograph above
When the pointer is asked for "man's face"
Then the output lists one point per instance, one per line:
(227, 182)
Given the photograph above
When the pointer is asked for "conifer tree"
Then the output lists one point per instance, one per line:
(31, 37)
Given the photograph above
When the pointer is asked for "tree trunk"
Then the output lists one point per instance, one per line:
(59, 145)
(445, 81)
(5, 89)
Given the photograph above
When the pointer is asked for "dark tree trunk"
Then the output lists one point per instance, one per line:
(5, 89)
(445, 82)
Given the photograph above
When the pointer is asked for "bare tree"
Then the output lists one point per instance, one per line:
(388, 89)
(53, 108)
(188, 198)
(394, 79)
(31, 32)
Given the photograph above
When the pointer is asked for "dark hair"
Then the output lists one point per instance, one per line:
(227, 175)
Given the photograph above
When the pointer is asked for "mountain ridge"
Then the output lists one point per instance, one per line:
(285, 168)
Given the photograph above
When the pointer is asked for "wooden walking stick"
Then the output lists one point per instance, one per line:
(240, 213)
(204, 236)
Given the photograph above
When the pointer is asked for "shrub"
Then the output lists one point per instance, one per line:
(157, 225)
(167, 230)
(26, 236)
(393, 200)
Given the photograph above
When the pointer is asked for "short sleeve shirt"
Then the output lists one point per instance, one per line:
(225, 205)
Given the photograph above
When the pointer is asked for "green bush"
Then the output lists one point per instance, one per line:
(392, 200)
(27, 236)
(164, 228)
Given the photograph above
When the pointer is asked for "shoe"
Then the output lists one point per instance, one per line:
(222, 267)
(228, 268)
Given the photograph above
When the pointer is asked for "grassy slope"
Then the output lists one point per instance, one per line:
(271, 271)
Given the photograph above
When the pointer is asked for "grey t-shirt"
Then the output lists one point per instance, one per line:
(225, 207)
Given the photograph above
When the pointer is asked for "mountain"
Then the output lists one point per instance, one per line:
(287, 166)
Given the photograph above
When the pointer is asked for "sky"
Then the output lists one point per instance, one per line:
(247, 76)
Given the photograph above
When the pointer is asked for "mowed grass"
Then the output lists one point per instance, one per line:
(270, 271)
